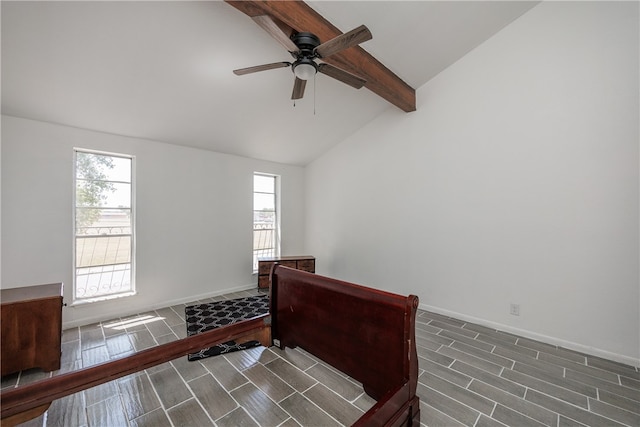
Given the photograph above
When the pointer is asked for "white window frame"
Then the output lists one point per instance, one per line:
(277, 230)
(132, 288)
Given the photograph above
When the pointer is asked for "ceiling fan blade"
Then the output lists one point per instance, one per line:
(343, 76)
(298, 88)
(344, 41)
(265, 67)
(270, 26)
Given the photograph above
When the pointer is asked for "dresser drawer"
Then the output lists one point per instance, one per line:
(290, 264)
(307, 265)
(264, 267)
(263, 281)
(304, 263)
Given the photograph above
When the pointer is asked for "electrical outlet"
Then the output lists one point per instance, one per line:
(515, 309)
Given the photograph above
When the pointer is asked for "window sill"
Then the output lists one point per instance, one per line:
(104, 298)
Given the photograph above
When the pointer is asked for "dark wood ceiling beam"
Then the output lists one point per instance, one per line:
(296, 16)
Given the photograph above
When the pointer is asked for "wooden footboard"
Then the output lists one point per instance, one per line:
(366, 333)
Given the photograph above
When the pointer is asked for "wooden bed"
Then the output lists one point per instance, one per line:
(368, 334)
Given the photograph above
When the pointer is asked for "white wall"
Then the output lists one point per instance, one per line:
(194, 216)
(515, 181)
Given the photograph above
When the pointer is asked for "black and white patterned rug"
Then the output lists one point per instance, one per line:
(207, 316)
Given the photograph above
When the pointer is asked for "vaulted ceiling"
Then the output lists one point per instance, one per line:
(163, 70)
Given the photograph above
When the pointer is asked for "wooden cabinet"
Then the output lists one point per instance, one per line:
(304, 263)
(31, 328)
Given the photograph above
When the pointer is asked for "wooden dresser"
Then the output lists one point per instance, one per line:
(31, 328)
(304, 263)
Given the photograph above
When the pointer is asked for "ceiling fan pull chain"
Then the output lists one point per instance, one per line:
(314, 93)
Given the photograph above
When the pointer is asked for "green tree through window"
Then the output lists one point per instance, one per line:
(91, 187)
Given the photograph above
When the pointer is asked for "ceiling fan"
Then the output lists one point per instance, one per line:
(306, 48)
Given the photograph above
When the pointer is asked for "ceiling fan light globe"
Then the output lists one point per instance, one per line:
(304, 71)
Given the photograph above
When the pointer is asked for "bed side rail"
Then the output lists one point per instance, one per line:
(24, 401)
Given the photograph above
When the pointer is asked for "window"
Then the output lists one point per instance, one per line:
(104, 224)
(266, 228)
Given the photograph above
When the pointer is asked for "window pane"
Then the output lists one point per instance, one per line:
(92, 221)
(264, 183)
(119, 197)
(121, 170)
(104, 226)
(263, 202)
(101, 281)
(92, 166)
(103, 193)
(263, 217)
(265, 222)
(102, 250)
(263, 239)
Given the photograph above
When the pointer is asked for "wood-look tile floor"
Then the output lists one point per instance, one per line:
(470, 375)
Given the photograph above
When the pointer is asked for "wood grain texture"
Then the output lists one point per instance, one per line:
(298, 88)
(271, 27)
(22, 417)
(301, 262)
(189, 413)
(257, 68)
(353, 81)
(344, 41)
(298, 16)
(31, 328)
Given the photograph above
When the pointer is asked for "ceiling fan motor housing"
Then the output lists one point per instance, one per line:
(306, 42)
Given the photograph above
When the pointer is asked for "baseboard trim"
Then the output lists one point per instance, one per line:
(592, 351)
(94, 319)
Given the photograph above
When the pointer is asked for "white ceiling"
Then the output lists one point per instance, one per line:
(163, 70)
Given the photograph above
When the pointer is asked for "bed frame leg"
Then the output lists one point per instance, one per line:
(264, 337)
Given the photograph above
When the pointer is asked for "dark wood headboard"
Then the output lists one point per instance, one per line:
(366, 333)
